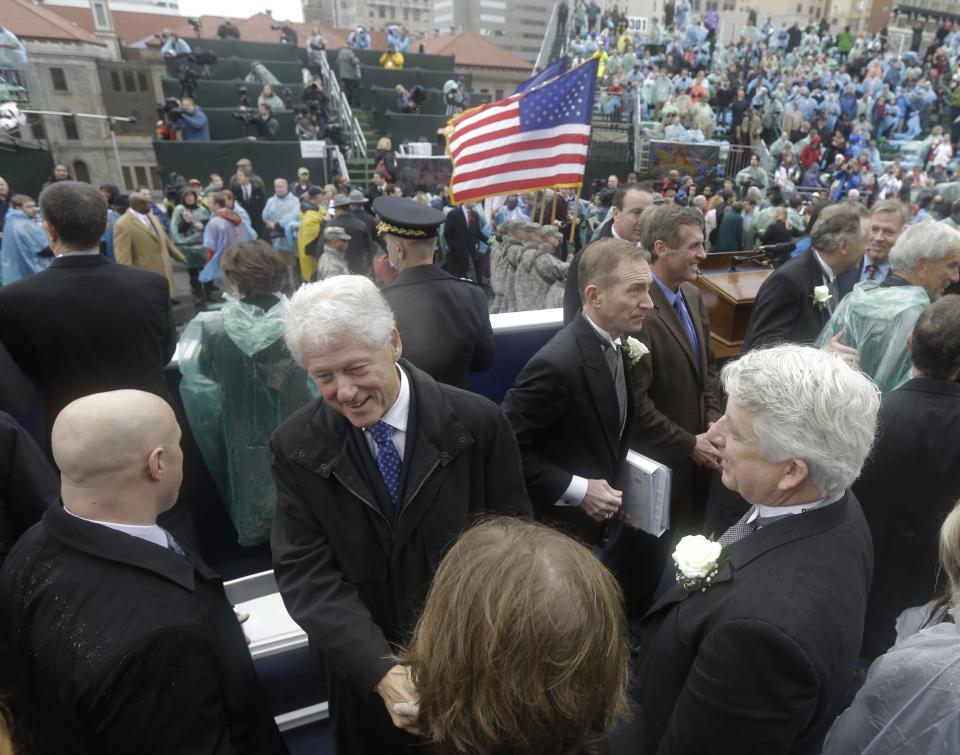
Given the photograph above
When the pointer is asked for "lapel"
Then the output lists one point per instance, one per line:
(738, 555)
(599, 381)
(142, 232)
(671, 320)
(815, 277)
(440, 437)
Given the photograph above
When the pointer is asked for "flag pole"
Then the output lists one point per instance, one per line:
(553, 205)
(533, 209)
(576, 211)
(543, 207)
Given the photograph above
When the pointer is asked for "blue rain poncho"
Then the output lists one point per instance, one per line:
(876, 321)
(239, 383)
(23, 241)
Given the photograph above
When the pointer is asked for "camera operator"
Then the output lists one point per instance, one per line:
(288, 35)
(172, 46)
(260, 74)
(453, 97)
(316, 49)
(187, 78)
(315, 98)
(193, 123)
(227, 30)
(268, 127)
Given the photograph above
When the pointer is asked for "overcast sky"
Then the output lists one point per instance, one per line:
(286, 10)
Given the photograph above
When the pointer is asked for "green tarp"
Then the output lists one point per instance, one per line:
(270, 160)
(224, 48)
(288, 71)
(212, 94)
(374, 76)
(410, 60)
(382, 99)
(224, 126)
(25, 169)
(404, 127)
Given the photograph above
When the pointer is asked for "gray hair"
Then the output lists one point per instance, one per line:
(836, 223)
(929, 240)
(810, 405)
(326, 315)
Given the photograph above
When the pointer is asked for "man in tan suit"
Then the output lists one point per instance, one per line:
(140, 241)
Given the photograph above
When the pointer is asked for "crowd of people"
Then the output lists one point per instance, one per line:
(325, 382)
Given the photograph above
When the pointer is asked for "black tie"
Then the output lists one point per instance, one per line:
(615, 363)
(743, 527)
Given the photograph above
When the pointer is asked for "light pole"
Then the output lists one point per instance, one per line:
(112, 121)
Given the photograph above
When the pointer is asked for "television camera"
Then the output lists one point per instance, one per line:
(288, 35)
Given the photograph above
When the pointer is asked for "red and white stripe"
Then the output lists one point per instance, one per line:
(491, 156)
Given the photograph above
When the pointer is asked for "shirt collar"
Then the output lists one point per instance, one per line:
(613, 232)
(152, 533)
(604, 336)
(883, 267)
(397, 415)
(827, 270)
(672, 296)
(769, 511)
(89, 253)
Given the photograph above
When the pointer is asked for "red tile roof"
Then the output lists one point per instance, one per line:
(474, 51)
(133, 27)
(29, 21)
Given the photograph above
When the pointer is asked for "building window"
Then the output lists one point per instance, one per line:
(141, 175)
(81, 171)
(36, 127)
(70, 128)
(59, 79)
(142, 81)
(128, 83)
(100, 16)
(818, 13)
(115, 81)
(157, 182)
(127, 178)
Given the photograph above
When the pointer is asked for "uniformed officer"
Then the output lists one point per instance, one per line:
(526, 234)
(443, 321)
(499, 267)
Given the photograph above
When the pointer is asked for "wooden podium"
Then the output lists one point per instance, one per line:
(729, 300)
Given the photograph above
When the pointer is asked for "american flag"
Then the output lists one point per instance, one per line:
(534, 140)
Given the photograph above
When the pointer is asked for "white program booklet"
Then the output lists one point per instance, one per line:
(646, 493)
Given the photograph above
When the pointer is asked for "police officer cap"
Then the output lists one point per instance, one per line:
(531, 226)
(551, 230)
(406, 218)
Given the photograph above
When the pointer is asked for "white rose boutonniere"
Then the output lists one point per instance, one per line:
(634, 349)
(820, 296)
(697, 560)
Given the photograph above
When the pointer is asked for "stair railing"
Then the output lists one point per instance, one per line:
(358, 141)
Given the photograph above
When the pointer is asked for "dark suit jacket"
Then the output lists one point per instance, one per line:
(676, 395)
(353, 573)
(571, 292)
(783, 310)
(28, 483)
(563, 409)
(907, 488)
(86, 325)
(360, 248)
(760, 662)
(254, 206)
(120, 645)
(444, 323)
(461, 241)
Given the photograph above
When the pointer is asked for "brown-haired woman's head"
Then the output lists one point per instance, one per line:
(253, 267)
(522, 645)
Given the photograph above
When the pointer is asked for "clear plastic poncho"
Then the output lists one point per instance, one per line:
(876, 321)
(239, 383)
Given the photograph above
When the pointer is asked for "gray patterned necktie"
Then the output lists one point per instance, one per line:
(615, 363)
(744, 527)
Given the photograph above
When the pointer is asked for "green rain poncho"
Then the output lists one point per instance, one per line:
(239, 383)
(876, 321)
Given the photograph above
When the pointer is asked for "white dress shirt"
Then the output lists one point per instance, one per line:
(577, 489)
(396, 416)
(152, 533)
(767, 511)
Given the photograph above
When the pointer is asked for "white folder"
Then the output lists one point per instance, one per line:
(646, 493)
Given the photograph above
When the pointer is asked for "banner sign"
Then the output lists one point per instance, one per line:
(698, 160)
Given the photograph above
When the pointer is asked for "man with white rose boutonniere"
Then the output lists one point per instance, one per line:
(571, 407)
(754, 647)
(796, 301)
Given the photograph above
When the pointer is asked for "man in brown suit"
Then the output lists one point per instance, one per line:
(140, 241)
(675, 385)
